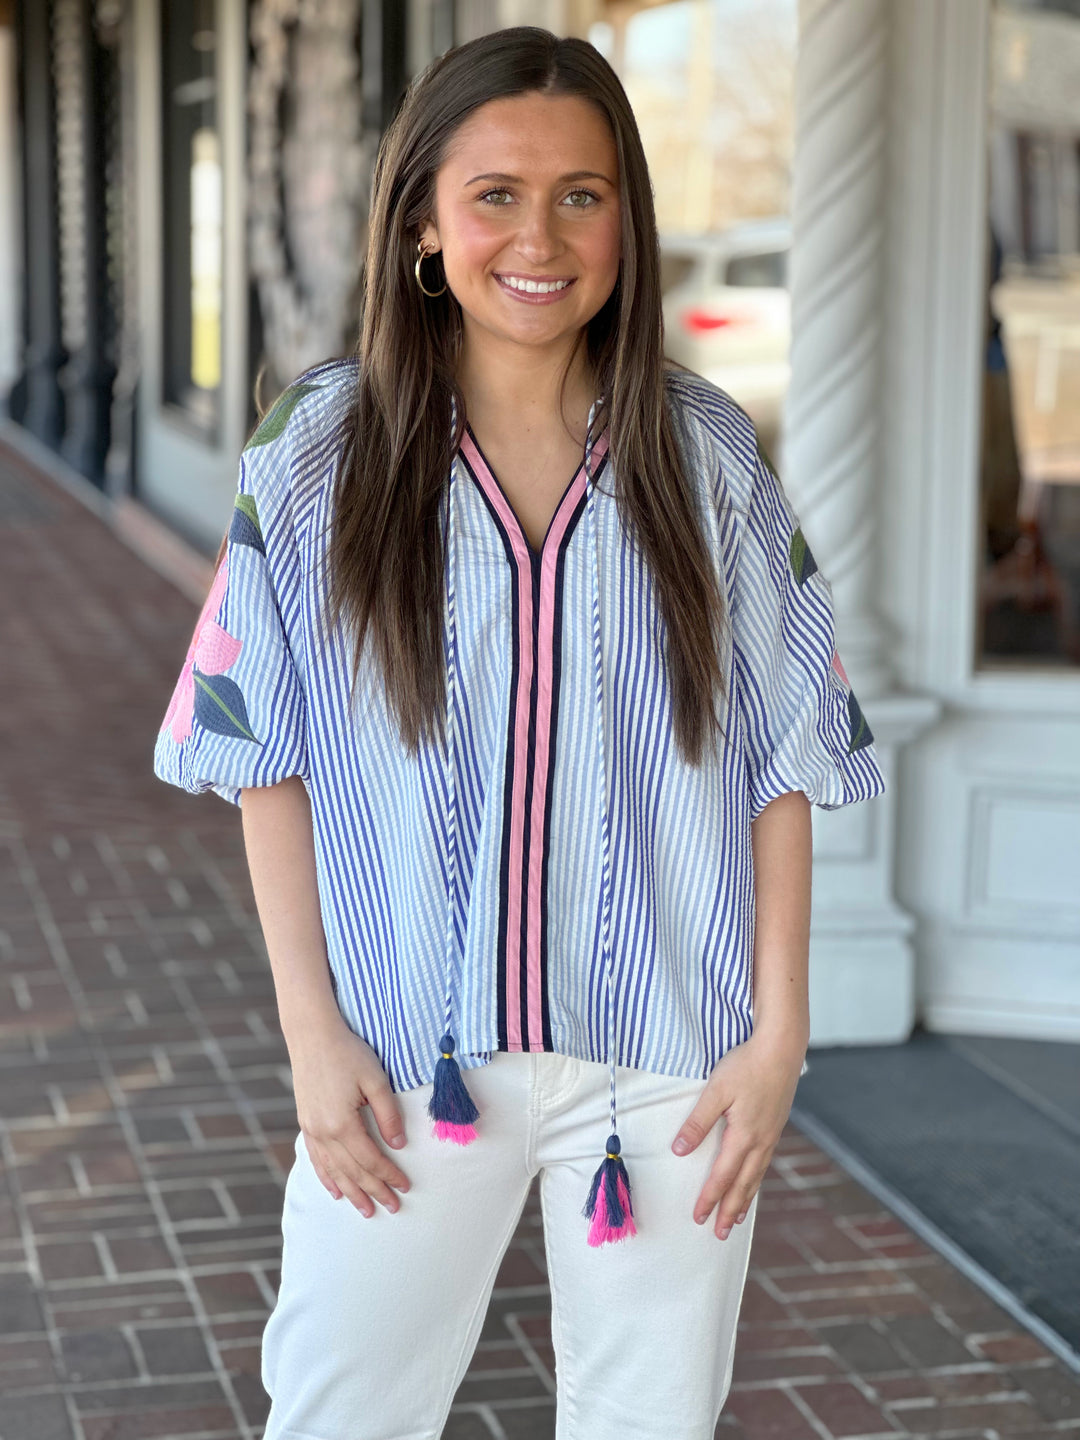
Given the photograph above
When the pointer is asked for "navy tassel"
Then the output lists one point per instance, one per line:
(609, 1205)
(451, 1106)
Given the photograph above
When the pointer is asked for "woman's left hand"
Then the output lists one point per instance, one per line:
(752, 1087)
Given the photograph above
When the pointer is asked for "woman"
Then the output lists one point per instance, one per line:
(526, 767)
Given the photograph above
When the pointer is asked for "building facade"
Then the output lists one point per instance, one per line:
(183, 196)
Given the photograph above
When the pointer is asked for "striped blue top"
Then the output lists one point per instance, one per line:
(551, 875)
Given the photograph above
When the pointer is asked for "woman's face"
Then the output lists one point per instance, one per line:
(528, 191)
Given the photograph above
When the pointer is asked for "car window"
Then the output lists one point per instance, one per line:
(675, 269)
(767, 269)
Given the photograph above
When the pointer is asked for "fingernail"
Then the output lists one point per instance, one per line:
(681, 1146)
(740, 1218)
(699, 1219)
(398, 1141)
(725, 1232)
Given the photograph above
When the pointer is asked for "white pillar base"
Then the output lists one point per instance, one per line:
(862, 957)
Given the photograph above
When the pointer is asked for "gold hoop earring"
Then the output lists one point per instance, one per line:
(423, 256)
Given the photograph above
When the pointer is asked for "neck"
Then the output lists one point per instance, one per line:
(520, 385)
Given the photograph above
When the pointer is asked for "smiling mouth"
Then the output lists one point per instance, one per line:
(534, 287)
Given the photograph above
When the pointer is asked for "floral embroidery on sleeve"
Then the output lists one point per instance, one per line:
(203, 692)
(861, 734)
(276, 418)
(802, 559)
(245, 528)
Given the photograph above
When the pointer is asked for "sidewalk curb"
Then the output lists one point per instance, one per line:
(926, 1230)
(138, 527)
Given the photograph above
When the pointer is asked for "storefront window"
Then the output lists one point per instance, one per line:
(1029, 594)
(192, 200)
(712, 85)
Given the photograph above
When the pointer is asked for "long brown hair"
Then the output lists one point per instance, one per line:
(384, 552)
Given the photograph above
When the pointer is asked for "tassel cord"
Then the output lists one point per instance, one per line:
(451, 1107)
(605, 837)
(609, 1205)
(451, 716)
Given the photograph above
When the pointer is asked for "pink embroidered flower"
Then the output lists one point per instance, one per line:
(212, 649)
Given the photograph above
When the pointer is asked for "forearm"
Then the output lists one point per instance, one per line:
(781, 838)
(753, 1085)
(280, 844)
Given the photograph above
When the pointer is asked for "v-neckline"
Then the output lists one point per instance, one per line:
(535, 555)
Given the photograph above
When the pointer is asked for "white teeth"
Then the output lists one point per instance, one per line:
(540, 287)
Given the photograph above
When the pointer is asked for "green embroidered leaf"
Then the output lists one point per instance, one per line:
(802, 558)
(245, 528)
(246, 503)
(219, 706)
(277, 417)
(861, 734)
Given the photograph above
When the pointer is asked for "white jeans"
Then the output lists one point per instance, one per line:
(376, 1320)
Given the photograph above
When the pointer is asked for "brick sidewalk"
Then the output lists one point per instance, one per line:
(147, 1123)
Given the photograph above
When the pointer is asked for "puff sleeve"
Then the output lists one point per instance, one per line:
(803, 727)
(237, 716)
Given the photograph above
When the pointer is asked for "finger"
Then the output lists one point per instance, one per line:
(318, 1164)
(710, 1106)
(729, 1162)
(384, 1112)
(364, 1153)
(380, 1167)
(354, 1193)
(326, 1181)
(380, 1191)
(387, 1115)
(352, 1160)
(737, 1200)
(347, 1177)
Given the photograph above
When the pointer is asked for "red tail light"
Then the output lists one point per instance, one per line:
(699, 319)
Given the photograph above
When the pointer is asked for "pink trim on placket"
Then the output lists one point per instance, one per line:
(521, 738)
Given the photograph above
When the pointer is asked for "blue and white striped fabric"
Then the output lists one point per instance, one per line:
(263, 694)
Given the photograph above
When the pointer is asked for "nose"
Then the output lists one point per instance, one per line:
(537, 238)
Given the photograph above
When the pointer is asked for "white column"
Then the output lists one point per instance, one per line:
(832, 413)
(862, 962)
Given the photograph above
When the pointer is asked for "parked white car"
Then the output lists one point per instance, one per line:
(727, 313)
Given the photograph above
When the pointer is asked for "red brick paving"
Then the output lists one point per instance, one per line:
(147, 1119)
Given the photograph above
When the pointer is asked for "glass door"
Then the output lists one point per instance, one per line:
(1029, 588)
(193, 405)
(191, 207)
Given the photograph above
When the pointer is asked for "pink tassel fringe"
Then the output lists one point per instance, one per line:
(459, 1134)
(600, 1232)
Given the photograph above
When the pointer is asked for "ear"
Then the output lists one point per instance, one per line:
(430, 236)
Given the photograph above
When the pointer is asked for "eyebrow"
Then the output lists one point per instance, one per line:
(517, 180)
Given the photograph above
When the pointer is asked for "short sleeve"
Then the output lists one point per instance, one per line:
(803, 727)
(237, 716)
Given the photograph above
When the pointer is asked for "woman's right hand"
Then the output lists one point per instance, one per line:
(336, 1077)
